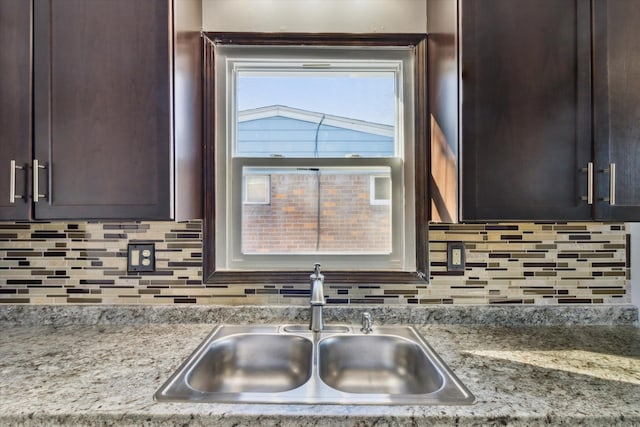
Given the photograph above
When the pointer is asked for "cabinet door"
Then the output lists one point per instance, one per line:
(15, 107)
(102, 108)
(526, 119)
(617, 108)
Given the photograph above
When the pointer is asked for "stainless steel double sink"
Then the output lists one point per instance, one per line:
(339, 365)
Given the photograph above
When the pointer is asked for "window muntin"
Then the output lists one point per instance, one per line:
(234, 157)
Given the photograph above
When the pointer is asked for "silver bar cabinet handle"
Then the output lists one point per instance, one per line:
(611, 170)
(589, 171)
(612, 183)
(12, 183)
(36, 184)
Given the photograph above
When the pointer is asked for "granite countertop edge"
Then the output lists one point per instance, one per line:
(491, 315)
(291, 420)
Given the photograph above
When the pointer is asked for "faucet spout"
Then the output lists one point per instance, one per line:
(316, 302)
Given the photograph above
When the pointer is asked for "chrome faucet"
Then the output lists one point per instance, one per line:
(316, 323)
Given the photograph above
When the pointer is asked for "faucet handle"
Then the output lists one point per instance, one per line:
(316, 272)
(367, 323)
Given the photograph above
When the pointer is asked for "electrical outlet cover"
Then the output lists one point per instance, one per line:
(455, 256)
(141, 258)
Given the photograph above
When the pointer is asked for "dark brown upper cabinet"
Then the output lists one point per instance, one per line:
(616, 91)
(546, 100)
(114, 106)
(526, 97)
(15, 107)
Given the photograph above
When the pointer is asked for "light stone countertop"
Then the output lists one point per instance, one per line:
(106, 374)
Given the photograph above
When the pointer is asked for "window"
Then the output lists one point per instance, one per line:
(314, 152)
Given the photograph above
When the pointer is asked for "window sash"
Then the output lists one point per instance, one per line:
(321, 121)
(234, 259)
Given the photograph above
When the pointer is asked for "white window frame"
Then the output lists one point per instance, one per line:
(228, 169)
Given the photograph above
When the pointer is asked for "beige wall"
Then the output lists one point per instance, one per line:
(324, 16)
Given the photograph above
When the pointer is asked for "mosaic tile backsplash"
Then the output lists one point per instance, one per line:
(516, 263)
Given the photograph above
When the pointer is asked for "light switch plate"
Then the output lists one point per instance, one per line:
(455, 256)
(141, 257)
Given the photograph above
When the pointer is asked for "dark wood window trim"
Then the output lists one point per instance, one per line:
(213, 276)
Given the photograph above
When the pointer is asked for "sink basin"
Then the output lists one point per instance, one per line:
(393, 365)
(377, 364)
(252, 363)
